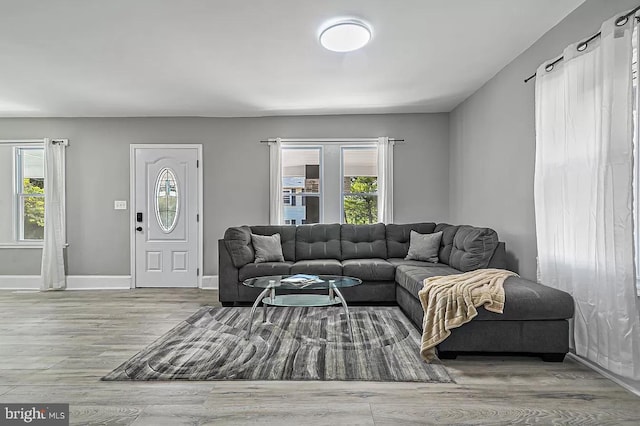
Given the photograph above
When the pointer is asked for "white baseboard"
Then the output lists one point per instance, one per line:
(98, 282)
(210, 282)
(633, 388)
(74, 282)
(86, 282)
(20, 282)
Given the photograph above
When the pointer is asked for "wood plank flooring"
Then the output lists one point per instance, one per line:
(55, 346)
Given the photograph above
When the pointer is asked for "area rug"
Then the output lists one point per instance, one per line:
(296, 343)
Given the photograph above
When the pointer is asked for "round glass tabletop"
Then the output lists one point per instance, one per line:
(302, 282)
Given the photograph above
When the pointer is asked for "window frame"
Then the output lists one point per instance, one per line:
(30, 143)
(330, 150)
(19, 195)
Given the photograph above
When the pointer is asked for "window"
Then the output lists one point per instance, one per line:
(29, 167)
(166, 199)
(301, 186)
(359, 185)
(331, 180)
(22, 197)
(330, 183)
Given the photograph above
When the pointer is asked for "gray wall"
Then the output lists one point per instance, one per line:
(493, 140)
(236, 174)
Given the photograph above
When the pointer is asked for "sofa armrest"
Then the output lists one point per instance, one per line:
(227, 275)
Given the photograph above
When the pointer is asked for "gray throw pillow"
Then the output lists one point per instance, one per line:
(267, 248)
(424, 247)
(238, 242)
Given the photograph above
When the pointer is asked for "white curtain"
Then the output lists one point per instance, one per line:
(53, 274)
(275, 183)
(385, 180)
(583, 195)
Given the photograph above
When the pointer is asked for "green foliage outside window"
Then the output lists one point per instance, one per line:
(33, 209)
(359, 206)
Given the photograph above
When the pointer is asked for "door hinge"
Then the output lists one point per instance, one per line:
(198, 272)
(197, 163)
(198, 217)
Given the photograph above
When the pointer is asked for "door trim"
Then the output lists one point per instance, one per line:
(132, 198)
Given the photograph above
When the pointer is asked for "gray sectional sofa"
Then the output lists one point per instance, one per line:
(535, 318)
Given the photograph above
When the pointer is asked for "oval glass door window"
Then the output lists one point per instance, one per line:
(167, 199)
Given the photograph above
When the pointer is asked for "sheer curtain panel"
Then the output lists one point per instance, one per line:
(385, 180)
(275, 182)
(53, 273)
(583, 195)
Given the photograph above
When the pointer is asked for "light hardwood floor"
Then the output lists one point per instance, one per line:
(55, 346)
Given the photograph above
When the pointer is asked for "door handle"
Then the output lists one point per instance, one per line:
(139, 229)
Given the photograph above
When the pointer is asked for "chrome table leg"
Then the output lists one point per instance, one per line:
(346, 310)
(253, 309)
(272, 297)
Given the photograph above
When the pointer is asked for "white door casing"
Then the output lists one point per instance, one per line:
(166, 195)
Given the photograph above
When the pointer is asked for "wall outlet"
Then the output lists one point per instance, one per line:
(120, 205)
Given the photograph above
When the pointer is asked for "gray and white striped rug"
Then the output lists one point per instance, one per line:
(295, 344)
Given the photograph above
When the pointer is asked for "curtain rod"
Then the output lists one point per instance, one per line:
(582, 46)
(330, 140)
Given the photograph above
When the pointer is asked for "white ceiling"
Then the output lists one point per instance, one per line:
(88, 58)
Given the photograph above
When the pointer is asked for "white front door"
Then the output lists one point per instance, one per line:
(166, 215)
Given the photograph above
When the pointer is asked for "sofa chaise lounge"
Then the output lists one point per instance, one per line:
(535, 317)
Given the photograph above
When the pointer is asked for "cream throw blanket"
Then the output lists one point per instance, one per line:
(450, 301)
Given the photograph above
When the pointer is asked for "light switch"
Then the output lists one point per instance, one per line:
(120, 205)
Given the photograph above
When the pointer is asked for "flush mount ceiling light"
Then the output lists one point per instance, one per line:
(345, 36)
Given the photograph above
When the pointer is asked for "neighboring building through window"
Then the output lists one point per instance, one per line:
(301, 185)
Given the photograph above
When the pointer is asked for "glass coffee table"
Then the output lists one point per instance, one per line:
(272, 283)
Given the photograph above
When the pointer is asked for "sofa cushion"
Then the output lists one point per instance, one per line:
(267, 248)
(317, 266)
(318, 241)
(524, 299)
(446, 244)
(287, 238)
(369, 269)
(363, 241)
(252, 270)
(237, 239)
(473, 248)
(424, 247)
(398, 237)
(411, 277)
(528, 300)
